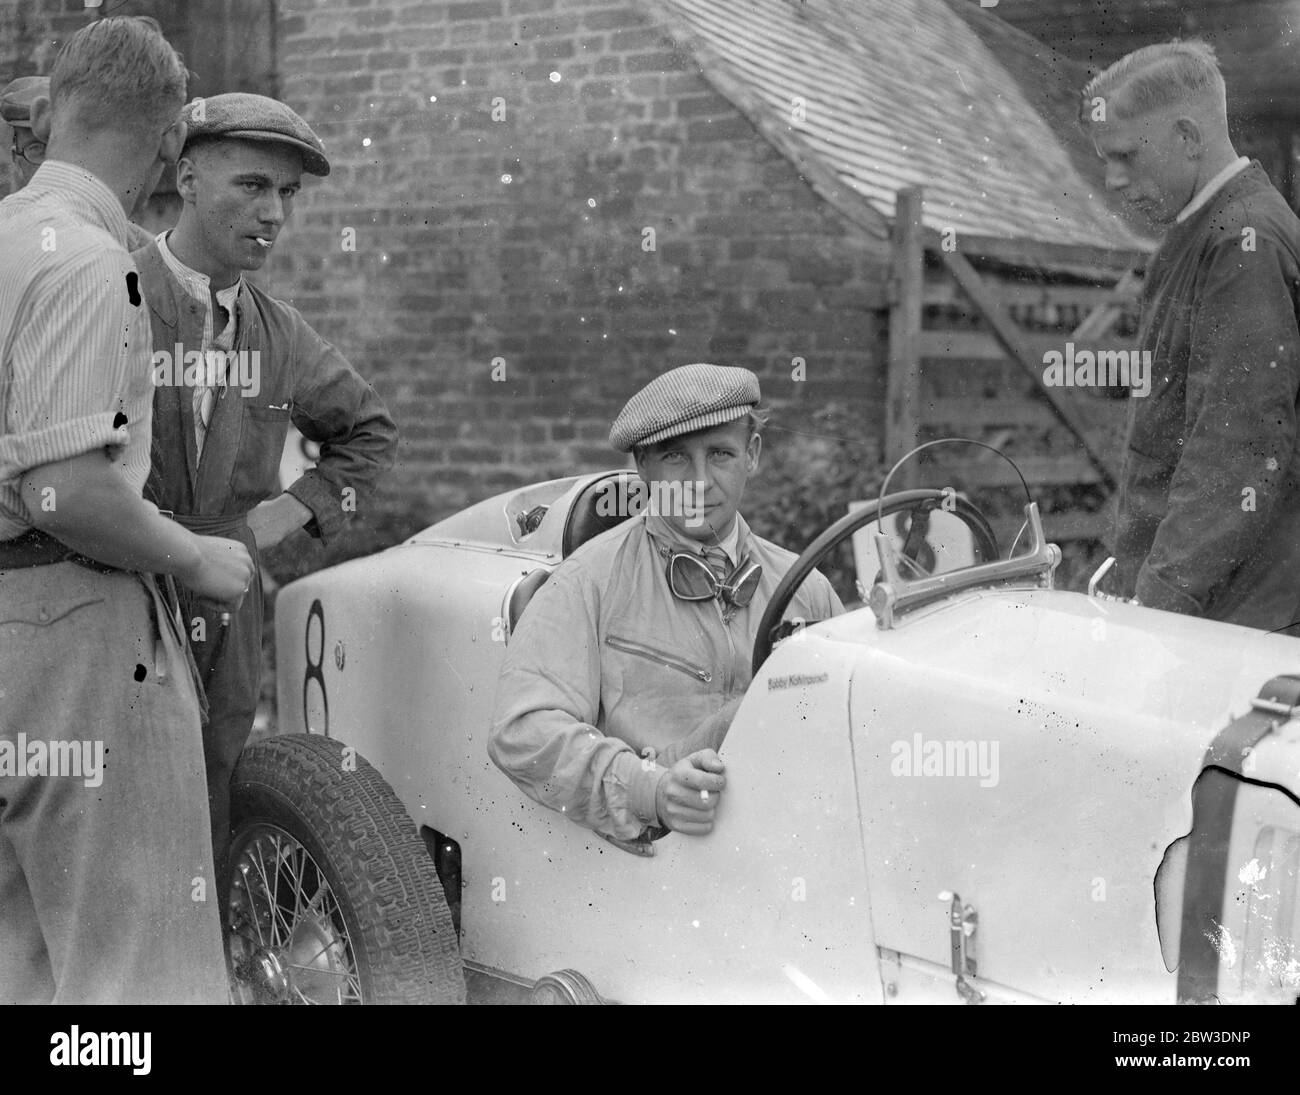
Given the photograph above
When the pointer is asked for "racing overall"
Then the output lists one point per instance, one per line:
(606, 664)
(297, 377)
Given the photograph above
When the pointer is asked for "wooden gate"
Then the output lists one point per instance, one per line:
(971, 321)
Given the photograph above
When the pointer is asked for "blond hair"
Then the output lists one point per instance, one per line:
(119, 74)
(1155, 78)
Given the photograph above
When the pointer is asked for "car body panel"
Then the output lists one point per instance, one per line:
(1060, 874)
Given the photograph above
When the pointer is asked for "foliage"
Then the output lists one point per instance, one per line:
(805, 481)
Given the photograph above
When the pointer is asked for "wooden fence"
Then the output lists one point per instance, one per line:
(970, 323)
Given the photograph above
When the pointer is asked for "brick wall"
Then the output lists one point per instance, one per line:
(30, 33)
(608, 131)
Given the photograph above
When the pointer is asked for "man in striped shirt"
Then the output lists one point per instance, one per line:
(106, 891)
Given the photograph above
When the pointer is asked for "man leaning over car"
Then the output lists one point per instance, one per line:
(623, 675)
(1208, 518)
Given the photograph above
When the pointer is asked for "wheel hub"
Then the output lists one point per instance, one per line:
(288, 941)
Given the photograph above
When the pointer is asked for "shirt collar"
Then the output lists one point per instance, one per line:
(98, 202)
(668, 539)
(1213, 187)
(732, 540)
(199, 286)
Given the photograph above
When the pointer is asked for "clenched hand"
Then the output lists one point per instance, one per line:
(687, 796)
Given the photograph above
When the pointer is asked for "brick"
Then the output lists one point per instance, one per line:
(388, 59)
(626, 40)
(698, 105)
(429, 57)
(476, 9)
(422, 15)
(612, 19)
(553, 50)
(654, 62)
(349, 84)
(727, 129)
(596, 89)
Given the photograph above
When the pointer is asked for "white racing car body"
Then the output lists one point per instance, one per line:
(965, 797)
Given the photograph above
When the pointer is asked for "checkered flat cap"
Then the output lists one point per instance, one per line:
(18, 95)
(683, 400)
(243, 116)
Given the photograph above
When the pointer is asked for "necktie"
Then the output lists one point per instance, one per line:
(717, 561)
(216, 363)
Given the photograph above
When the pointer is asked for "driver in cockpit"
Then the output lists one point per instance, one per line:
(623, 675)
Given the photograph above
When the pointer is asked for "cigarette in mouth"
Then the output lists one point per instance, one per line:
(704, 796)
(264, 243)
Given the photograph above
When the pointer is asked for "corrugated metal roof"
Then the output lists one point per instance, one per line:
(901, 93)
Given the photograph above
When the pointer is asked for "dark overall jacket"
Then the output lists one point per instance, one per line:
(1209, 497)
(301, 379)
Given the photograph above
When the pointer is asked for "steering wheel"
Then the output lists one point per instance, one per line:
(923, 500)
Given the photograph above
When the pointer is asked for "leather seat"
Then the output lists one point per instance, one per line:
(522, 594)
(601, 506)
(604, 504)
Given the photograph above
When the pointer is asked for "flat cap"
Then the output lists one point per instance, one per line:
(18, 95)
(683, 400)
(242, 116)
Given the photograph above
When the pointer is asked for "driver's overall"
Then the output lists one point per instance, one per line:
(607, 663)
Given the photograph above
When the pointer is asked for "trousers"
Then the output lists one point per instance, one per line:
(106, 886)
(228, 653)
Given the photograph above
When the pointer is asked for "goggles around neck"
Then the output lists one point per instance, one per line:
(691, 579)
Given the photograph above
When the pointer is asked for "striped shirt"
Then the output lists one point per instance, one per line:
(74, 334)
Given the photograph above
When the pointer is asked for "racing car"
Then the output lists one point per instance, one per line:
(974, 788)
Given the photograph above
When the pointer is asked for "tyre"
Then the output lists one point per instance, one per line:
(331, 895)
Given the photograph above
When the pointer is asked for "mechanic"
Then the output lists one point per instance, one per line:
(219, 431)
(1208, 518)
(28, 153)
(106, 892)
(623, 675)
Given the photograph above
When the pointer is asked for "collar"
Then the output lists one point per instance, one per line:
(98, 203)
(197, 285)
(1213, 187)
(667, 539)
(732, 540)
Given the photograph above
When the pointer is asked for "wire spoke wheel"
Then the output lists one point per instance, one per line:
(331, 896)
(288, 941)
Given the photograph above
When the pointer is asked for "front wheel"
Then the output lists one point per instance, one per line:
(332, 897)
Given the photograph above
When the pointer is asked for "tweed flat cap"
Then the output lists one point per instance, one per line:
(683, 400)
(243, 116)
(18, 95)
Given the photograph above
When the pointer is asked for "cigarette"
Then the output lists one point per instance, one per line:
(704, 796)
(264, 243)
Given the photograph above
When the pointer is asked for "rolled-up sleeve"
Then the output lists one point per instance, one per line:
(544, 734)
(334, 406)
(73, 372)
